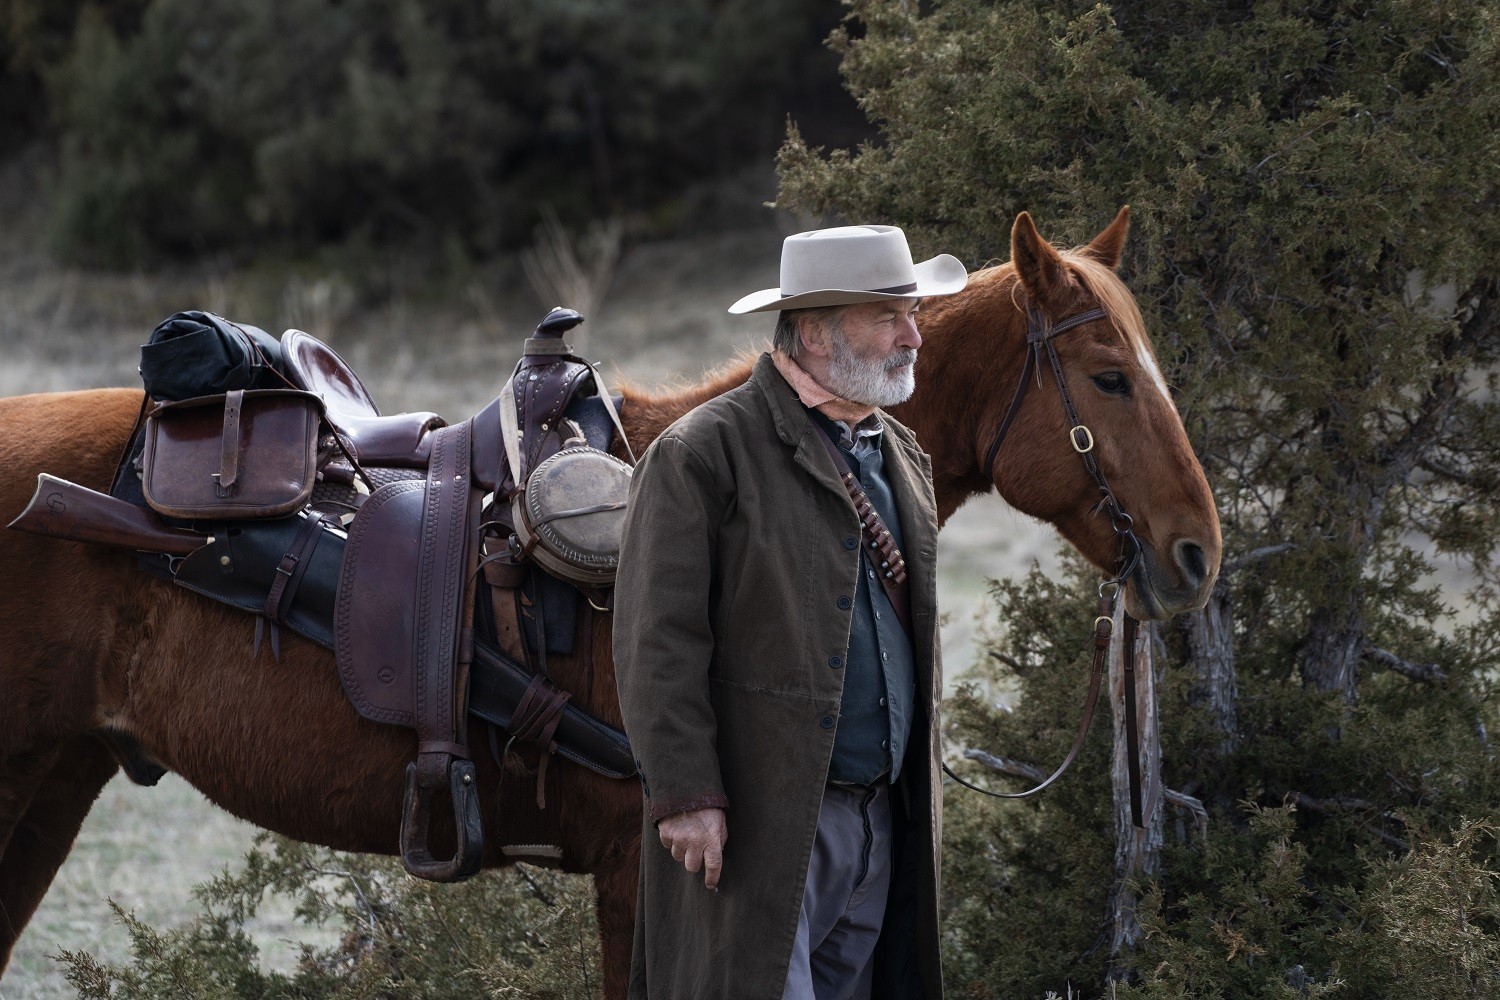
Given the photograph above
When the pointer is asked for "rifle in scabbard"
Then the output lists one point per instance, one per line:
(60, 509)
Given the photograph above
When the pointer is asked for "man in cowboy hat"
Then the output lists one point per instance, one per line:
(778, 665)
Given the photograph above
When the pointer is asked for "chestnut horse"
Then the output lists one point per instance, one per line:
(102, 665)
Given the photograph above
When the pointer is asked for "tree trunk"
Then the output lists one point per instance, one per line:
(1210, 642)
(1137, 850)
(1329, 656)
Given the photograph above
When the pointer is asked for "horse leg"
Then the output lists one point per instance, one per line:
(41, 838)
(614, 905)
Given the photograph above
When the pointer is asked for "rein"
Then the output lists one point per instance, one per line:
(1040, 333)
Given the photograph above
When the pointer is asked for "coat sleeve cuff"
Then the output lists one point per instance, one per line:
(662, 808)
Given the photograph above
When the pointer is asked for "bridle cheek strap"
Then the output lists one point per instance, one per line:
(1039, 335)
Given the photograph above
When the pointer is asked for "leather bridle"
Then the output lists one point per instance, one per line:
(1040, 333)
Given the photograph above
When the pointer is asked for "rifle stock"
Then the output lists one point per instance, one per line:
(60, 509)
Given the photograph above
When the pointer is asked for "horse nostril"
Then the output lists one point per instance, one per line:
(1191, 561)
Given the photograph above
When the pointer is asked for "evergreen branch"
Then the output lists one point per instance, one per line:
(1427, 673)
(1481, 328)
(1325, 807)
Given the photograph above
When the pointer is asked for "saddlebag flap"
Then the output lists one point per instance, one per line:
(243, 454)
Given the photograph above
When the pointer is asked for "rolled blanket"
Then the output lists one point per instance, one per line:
(199, 354)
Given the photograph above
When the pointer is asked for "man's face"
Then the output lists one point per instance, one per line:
(873, 351)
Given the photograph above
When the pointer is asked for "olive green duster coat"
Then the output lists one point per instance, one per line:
(734, 596)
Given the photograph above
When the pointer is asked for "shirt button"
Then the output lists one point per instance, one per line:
(877, 616)
(826, 722)
(885, 656)
(835, 662)
(882, 703)
(885, 744)
(871, 572)
(843, 603)
(851, 543)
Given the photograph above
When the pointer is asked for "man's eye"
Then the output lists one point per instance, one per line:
(1113, 383)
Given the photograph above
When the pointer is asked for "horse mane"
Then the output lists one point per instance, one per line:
(648, 412)
(1099, 279)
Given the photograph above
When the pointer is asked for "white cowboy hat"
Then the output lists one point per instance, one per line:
(837, 267)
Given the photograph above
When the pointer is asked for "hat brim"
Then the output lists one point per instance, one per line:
(942, 275)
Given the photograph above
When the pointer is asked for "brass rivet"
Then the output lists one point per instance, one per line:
(468, 779)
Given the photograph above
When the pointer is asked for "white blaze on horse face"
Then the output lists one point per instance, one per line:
(1147, 362)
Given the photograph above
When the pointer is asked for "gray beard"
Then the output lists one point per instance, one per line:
(871, 381)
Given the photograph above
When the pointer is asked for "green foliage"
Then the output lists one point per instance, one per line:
(520, 933)
(202, 124)
(1316, 250)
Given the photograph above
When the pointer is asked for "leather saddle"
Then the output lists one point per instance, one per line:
(395, 592)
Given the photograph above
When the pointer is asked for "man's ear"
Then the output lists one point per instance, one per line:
(812, 331)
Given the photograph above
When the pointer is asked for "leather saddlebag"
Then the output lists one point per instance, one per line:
(243, 454)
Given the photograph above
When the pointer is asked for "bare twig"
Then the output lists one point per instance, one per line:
(1022, 769)
(1192, 805)
(1427, 673)
(1009, 661)
(1255, 555)
(536, 890)
(1437, 468)
(1005, 765)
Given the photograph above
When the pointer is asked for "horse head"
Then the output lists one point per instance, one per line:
(1045, 386)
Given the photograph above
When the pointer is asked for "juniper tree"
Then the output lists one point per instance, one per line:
(1316, 249)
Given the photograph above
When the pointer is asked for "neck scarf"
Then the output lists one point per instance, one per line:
(814, 396)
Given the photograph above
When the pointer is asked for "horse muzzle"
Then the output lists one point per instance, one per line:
(1160, 589)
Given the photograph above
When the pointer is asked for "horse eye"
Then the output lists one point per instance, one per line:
(1113, 383)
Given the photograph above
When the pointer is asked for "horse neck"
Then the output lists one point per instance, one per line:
(646, 414)
(962, 368)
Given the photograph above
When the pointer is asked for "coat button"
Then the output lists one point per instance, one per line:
(885, 744)
(882, 703)
(844, 603)
(826, 722)
(835, 662)
(851, 542)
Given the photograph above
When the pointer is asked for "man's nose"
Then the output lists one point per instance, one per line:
(909, 337)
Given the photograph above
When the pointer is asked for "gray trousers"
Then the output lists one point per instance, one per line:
(843, 902)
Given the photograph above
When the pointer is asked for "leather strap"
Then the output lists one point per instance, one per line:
(1104, 626)
(441, 577)
(597, 508)
(882, 544)
(229, 444)
(609, 407)
(293, 567)
(1132, 727)
(442, 629)
(1038, 332)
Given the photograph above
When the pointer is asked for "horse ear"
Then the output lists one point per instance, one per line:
(1109, 246)
(1038, 265)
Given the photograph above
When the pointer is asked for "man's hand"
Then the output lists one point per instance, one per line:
(697, 839)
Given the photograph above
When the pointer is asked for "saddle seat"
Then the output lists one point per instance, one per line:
(400, 441)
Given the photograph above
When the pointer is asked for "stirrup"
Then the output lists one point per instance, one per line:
(416, 810)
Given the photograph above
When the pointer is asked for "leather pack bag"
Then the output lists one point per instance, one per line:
(243, 454)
